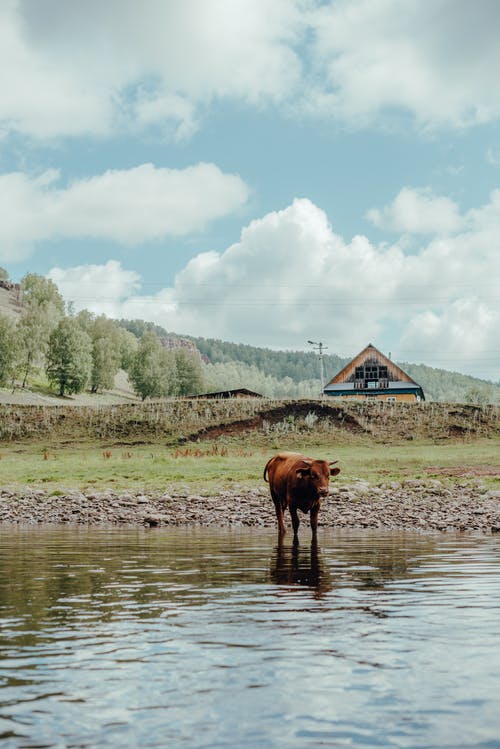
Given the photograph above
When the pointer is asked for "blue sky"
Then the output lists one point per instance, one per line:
(261, 171)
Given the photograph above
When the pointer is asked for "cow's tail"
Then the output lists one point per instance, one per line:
(266, 469)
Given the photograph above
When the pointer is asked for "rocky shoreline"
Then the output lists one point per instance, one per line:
(410, 505)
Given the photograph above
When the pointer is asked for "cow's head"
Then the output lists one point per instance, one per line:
(316, 474)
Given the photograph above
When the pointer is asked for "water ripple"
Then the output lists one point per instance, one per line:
(205, 639)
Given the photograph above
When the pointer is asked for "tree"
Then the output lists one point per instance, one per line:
(43, 307)
(8, 347)
(85, 320)
(4, 276)
(480, 395)
(128, 348)
(41, 292)
(189, 372)
(153, 370)
(69, 357)
(105, 364)
(106, 354)
(33, 337)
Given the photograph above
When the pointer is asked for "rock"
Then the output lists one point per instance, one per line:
(153, 521)
(361, 488)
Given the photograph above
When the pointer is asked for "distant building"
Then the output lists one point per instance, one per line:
(236, 393)
(372, 375)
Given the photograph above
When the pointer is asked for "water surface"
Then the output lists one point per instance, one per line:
(198, 638)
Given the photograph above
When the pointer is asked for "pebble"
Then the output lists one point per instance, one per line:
(412, 505)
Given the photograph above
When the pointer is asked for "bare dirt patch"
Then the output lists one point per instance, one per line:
(458, 471)
(295, 410)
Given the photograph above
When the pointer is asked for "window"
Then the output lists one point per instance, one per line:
(371, 376)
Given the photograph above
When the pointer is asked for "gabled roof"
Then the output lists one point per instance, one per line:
(371, 353)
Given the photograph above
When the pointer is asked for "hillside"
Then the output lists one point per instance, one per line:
(438, 384)
(301, 367)
(271, 372)
(276, 374)
(10, 299)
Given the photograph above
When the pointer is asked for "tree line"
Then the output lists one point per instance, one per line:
(79, 351)
(302, 369)
(295, 374)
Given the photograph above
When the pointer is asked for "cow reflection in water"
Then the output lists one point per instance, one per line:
(296, 565)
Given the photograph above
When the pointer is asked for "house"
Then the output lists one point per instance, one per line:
(372, 375)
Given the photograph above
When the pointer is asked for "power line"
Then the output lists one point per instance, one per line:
(284, 303)
(261, 284)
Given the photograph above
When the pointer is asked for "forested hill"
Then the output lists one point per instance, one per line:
(452, 387)
(298, 365)
(296, 373)
(438, 384)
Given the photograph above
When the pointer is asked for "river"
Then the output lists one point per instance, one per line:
(204, 638)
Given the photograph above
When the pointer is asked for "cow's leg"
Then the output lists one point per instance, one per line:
(295, 522)
(279, 515)
(314, 522)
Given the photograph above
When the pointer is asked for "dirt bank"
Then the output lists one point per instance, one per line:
(413, 505)
(175, 421)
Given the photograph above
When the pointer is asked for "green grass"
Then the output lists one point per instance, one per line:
(209, 467)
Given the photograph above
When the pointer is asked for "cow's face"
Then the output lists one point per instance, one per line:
(315, 475)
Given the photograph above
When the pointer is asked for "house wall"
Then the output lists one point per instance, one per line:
(400, 397)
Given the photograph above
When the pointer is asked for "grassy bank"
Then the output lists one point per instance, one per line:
(207, 445)
(208, 467)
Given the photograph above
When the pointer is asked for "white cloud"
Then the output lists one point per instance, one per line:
(127, 206)
(463, 336)
(93, 68)
(41, 95)
(90, 67)
(287, 276)
(291, 278)
(86, 285)
(437, 61)
(418, 212)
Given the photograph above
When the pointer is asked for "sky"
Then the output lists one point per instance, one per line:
(261, 171)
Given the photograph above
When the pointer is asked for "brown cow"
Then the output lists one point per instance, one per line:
(297, 482)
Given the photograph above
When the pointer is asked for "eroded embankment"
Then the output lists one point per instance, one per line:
(177, 420)
(413, 505)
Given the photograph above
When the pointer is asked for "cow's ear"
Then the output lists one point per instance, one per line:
(334, 471)
(304, 470)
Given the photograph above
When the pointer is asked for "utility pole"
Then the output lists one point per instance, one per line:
(319, 347)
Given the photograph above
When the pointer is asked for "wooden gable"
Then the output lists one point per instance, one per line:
(371, 356)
